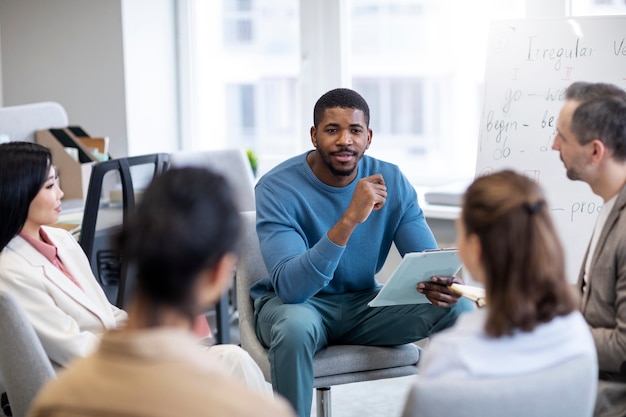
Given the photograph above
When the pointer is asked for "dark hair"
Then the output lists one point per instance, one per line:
(186, 221)
(601, 115)
(523, 258)
(340, 97)
(24, 168)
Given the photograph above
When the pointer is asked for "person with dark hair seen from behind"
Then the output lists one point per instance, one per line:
(182, 243)
(591, 141)
(507, 242)
(326, 220)
(49, 275)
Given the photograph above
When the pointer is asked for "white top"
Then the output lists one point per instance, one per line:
(466, 351)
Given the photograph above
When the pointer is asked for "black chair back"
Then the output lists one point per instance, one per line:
(97, 239)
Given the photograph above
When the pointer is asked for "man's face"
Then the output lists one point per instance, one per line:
(340, 139)
(575, 156)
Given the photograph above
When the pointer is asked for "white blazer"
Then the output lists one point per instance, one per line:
(69, 321)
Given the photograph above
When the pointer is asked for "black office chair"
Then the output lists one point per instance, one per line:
(103, 217)
(96, 237)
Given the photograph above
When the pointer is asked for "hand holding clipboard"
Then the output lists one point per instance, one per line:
(457, 287)
(415, 268)
(437, 266)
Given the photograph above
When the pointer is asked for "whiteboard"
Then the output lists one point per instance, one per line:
(529, 65)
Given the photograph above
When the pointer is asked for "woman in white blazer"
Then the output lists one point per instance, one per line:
(67, 317)
(48, 273)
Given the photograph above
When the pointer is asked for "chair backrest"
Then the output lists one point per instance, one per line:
(568, 389)
(250, 269)
(24, 365)
(99, 248)
(233, 164)
(20, 122)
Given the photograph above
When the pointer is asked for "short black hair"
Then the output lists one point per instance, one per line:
(186, 221)
(24, 168)
(340, 97)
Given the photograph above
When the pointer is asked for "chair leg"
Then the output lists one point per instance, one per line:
(323, 402)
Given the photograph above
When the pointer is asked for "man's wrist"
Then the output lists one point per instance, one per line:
(342, 230)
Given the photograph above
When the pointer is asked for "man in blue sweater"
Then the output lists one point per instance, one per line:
(326, 220)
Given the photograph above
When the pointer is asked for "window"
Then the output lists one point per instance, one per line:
(240, 115)
(426, 59)
(397, 110)
(418, 63)
(597, 7)
(244, 74)
(238, 23)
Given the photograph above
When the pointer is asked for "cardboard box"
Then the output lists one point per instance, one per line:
(74, 174)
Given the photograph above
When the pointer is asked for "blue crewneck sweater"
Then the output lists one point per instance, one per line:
(295, 211)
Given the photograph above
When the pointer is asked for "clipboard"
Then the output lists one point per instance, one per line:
(416, 267)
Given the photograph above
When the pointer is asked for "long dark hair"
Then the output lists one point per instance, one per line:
(523, 258)
(24, 168)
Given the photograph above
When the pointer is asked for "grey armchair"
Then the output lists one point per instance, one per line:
(232, 163)
(334, 365)
(568, 389)
(24, 365)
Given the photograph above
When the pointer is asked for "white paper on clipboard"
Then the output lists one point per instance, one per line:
(401, 288)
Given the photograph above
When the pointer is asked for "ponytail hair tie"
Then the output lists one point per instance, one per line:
(534, 207)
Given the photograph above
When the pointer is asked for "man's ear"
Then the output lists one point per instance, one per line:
(218, 279)
(313, 136)
(598, 150)
(370, 134)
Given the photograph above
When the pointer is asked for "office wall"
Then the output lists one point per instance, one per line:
(109, 63)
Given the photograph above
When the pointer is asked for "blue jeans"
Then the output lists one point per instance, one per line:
(295, 332)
